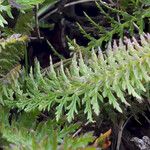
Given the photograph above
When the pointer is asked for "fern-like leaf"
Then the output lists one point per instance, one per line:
(106, 78)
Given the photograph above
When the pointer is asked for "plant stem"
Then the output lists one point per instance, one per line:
(120, 134)
(37, 22)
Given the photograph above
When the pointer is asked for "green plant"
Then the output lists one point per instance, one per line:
(88, 86)
(13, 40)
(11, 50)
(7, 9)
(22, 4)
(125, 18)
(26, 133)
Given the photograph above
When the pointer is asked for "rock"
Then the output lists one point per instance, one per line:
(142, 144)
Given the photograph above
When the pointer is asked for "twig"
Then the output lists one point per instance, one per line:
(148, 120)
(120, 134)
(55, 52)
(136, 26)
(35, 38)
(112, 2)
(43, 115)
(127, 121)
(121, 128)
(61, 6)
(66, 5)
(37, 22)
(79, 130)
